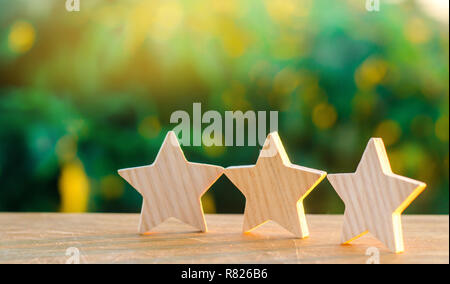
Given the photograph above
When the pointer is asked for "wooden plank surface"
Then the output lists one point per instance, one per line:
(113, 238)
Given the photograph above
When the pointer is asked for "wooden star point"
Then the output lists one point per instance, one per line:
(375, 197)
(274, 188)
(172, 187)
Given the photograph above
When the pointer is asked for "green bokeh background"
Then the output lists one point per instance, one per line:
(83, 94)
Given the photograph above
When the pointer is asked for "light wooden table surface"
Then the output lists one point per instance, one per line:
(112, 238)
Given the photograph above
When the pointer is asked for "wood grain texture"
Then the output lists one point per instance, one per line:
(274, 188)
(375, 197)
(112, 238)
(172, 187)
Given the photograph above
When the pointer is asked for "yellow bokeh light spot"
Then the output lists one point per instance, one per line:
(284, 11)
(138, 23)
(149, 127)
(168, 18)
(441, 128)
(279, 10)
(21, 37)
(389, 130)
(324, 116)
(73, 187)
(112, 187)
(371, 72)
(234, 39)
(209, 205)
(230, 7)
(416, 31)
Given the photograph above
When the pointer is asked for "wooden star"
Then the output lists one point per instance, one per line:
(274, 188)
(375, 197)
(172, 187)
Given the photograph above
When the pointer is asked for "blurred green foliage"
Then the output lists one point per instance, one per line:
(83, 94)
